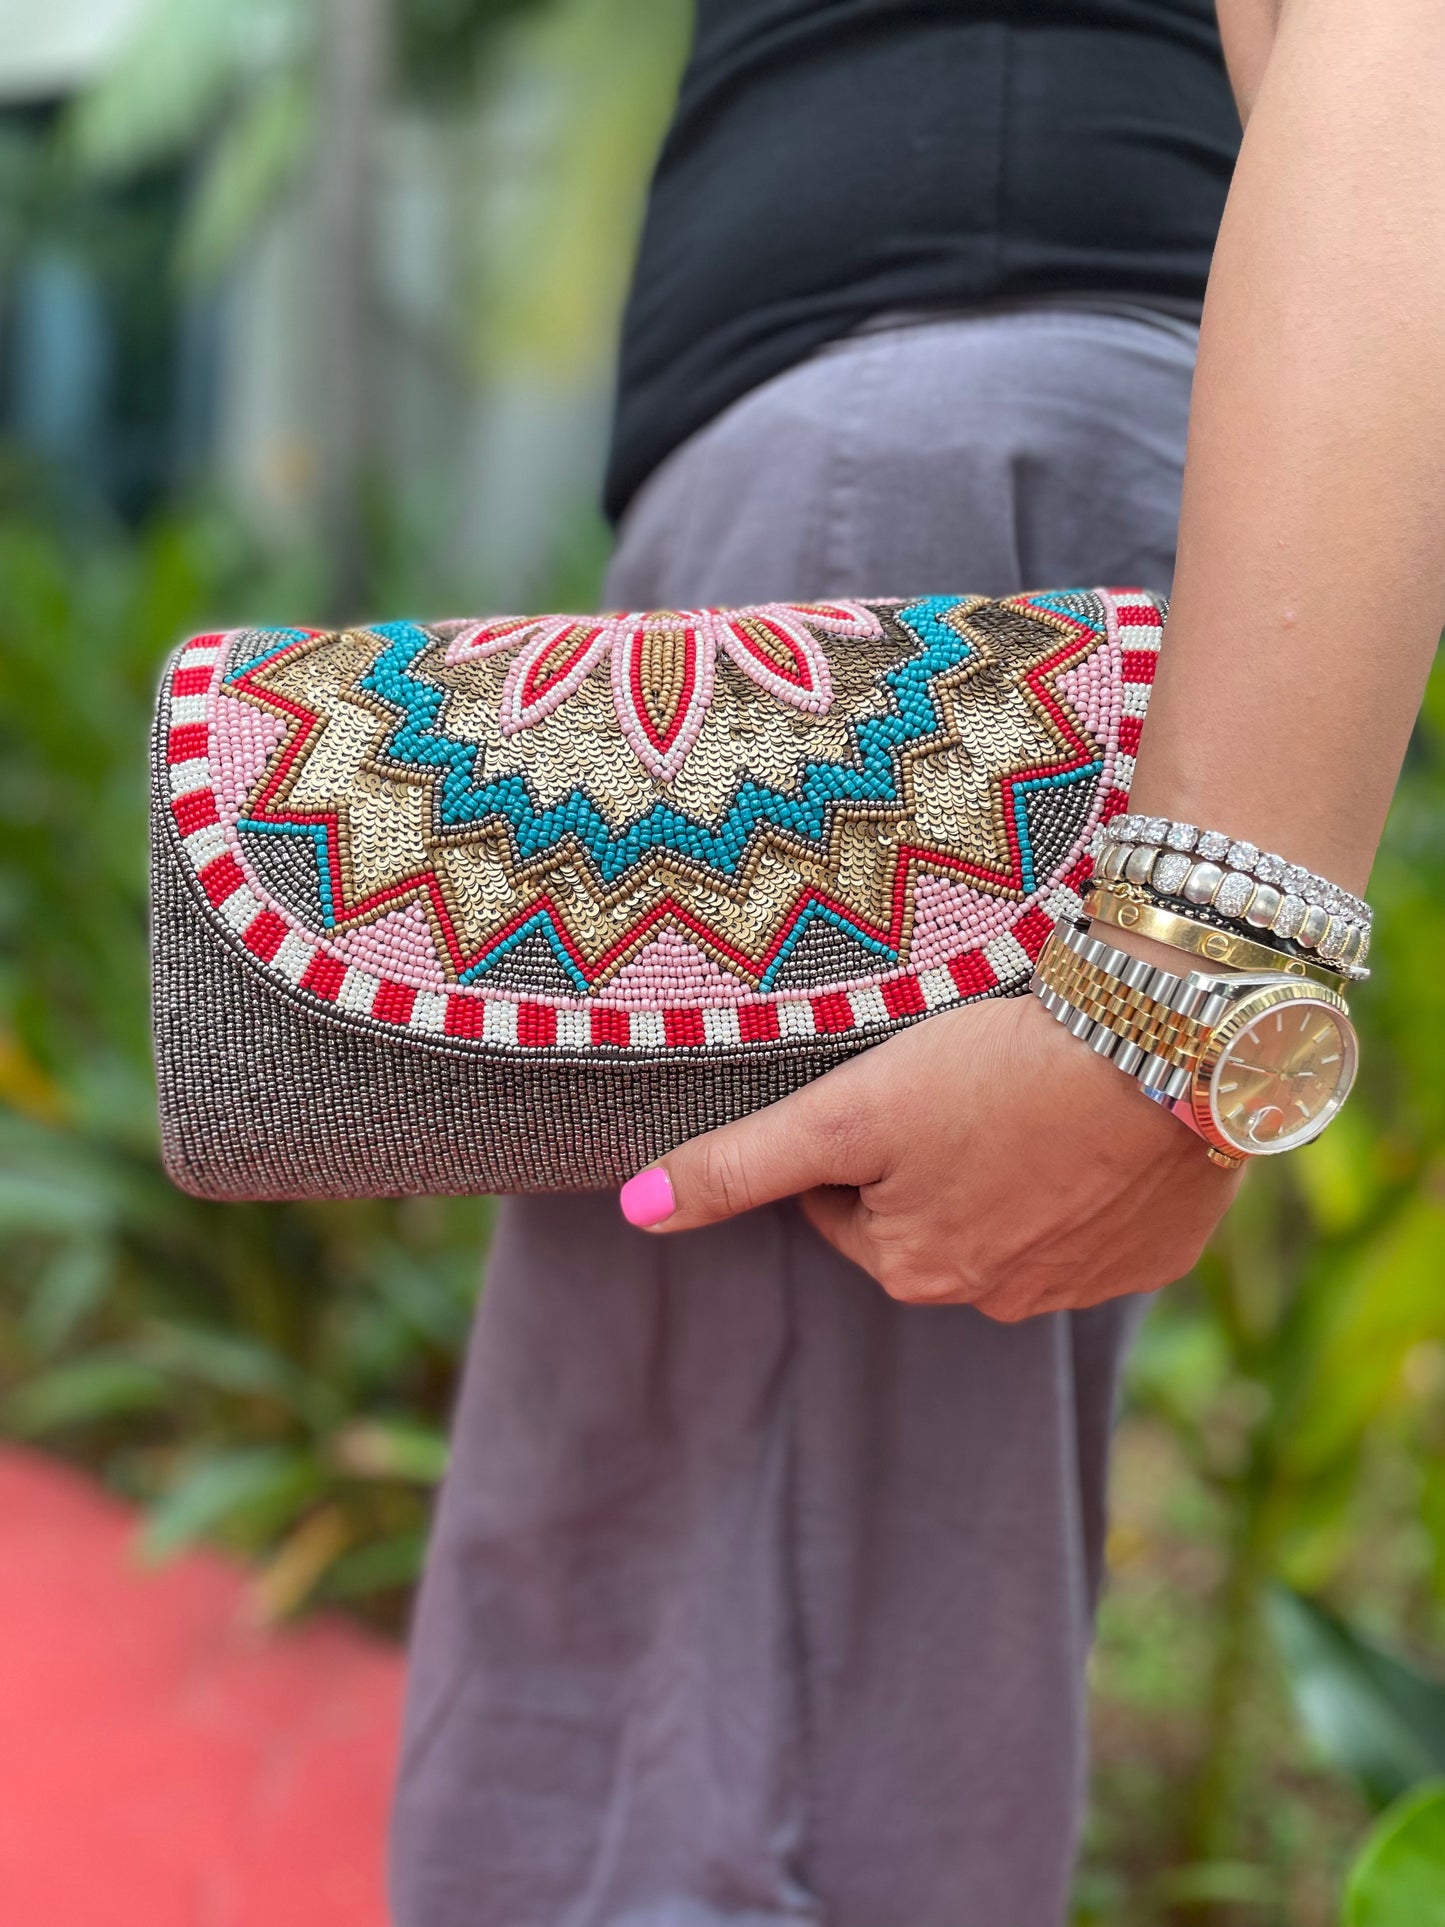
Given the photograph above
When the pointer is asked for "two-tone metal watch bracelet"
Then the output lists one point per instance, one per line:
(1150, 1022)
(1232, 882)
(1253, 1063)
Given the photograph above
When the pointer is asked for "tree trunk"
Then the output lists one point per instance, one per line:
(354, 54)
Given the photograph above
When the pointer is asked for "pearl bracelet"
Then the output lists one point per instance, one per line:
(1252, 889)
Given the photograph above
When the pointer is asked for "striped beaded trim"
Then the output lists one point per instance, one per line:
(470, 1019)
(1237, 885)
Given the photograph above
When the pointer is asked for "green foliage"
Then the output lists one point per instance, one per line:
(597, 78)
(1382, 1722)
(234, 89)
(1378, 1719)
(276, 1378)
(175, 76)
(441, 43)
(1299, 1376)
(1399, 1879)
(266, 139)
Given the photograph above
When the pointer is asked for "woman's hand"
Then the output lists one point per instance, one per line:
(982, 1157)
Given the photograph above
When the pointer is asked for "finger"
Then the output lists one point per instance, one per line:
(819, 1135)
(839, 1215)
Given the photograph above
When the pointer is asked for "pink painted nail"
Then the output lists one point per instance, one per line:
(647, 1199)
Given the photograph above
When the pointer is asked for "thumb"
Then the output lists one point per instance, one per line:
(820, 1135)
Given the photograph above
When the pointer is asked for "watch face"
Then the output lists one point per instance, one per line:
(1285, 1064)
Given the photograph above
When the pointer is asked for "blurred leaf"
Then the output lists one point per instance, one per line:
(1178, 1364)
(254, 156)
(1377, 1718)
(217, 1486)
(392, 1449)
(33, 1203)
(1432, 1516)
(98, 1387)
(1386, 1300)
(425, 1292)
(70, 1286)
(1399, 1879)
(1227, 1881)
(289, 1577)
(229, 1363)
(1339, 1173)
(383, 1565)
(173, 76)
(1318, 1525)
(25, 1086)
(442, 41)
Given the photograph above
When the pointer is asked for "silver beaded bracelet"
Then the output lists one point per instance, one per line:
(1239, 883)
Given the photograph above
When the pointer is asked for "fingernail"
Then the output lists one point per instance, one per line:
(647, 1199)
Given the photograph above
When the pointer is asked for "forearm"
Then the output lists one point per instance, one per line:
(1310, 589)
(1247, 28)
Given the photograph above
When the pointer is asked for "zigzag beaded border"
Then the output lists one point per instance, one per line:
(498, 1023)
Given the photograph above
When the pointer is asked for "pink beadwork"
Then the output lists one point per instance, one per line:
(664, 664)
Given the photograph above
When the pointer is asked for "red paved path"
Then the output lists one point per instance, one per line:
(161, 1764)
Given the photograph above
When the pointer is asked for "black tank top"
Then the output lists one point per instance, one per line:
(830, 160)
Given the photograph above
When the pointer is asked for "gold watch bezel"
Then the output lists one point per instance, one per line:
(1254, 1004)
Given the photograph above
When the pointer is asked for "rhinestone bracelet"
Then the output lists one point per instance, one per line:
(1254, 890)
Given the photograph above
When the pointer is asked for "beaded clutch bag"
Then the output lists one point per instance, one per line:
(519, 905)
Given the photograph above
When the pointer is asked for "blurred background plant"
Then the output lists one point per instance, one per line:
(194, 196)
(308, 307)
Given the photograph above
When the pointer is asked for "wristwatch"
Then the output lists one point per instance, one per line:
(1255, 1062)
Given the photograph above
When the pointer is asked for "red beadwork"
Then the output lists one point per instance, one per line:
(186, 742)
(324, 977)
(194, 811)
(264, 935)
(222, 878)
(393, 1003)
(832, 1012)
(683, 1029)
(757, 1023)
(1033, 930)
(903, 997)
(464, 1016)
(536, 1025)
(610, 1025)
(972, 974)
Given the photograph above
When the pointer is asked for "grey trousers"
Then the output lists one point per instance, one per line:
(755, 1597)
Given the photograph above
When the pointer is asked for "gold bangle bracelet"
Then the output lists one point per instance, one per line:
(1128, 909)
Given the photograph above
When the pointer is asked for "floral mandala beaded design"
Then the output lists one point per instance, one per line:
(664, 664)
(750, 841)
